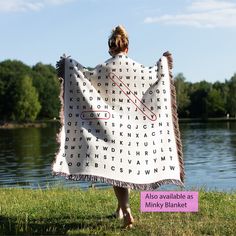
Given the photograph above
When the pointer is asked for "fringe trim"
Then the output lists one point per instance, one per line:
(176, 125)
(60, 67)
(93, 178)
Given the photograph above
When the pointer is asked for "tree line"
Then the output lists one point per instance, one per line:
(28, 93)
(204, 99)
(32, 93)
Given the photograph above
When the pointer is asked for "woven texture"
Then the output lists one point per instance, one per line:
(119, 124)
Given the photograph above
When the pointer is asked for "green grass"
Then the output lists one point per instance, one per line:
(62, 211)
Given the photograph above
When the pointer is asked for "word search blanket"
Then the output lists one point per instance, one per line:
(119, 124)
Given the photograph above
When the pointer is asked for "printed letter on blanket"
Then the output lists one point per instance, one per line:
(119, 124)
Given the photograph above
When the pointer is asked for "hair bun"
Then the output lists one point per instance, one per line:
(118, 40)
(120, 30)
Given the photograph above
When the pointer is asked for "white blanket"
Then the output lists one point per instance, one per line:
(119, 124)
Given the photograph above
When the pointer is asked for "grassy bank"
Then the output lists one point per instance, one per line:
(76, 212)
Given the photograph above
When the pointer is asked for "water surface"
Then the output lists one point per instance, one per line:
(26, 155)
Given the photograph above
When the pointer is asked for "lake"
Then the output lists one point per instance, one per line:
(26, 155)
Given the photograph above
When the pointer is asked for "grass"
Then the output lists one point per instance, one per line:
(61, 211)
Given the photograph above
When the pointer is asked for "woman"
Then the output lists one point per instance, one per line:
(88, 160)
(118, 43)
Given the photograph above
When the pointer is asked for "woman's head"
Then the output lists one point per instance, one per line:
(118, 41)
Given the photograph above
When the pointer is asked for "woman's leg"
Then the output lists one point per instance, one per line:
(119, 212)
(122, 195)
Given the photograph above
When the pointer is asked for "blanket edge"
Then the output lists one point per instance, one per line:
(135, 186)
(175, 120)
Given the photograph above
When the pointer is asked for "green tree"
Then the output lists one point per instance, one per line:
(182, 96)
(48, 87)
(223, 88)
(215, 103)
(231, 98)
(10, 73)
(198, 96)
(27, 105)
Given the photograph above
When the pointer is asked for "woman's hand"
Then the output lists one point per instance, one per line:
(60, 66)
(168, 55)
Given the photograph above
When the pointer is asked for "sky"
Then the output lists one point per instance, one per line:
(200, 34)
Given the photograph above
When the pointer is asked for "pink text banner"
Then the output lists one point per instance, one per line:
(169, 201)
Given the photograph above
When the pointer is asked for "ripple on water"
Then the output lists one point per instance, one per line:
(26, 156)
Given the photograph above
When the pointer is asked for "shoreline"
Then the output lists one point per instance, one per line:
(35, 124)
(44, 123)
(201, 120)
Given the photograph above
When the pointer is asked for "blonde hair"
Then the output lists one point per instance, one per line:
(118, 40)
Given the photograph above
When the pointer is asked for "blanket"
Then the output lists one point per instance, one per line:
(119, 124)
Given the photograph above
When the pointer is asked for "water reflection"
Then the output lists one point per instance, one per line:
(210, 154)
(26, 155)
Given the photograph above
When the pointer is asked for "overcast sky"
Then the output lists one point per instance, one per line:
(201, 34)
